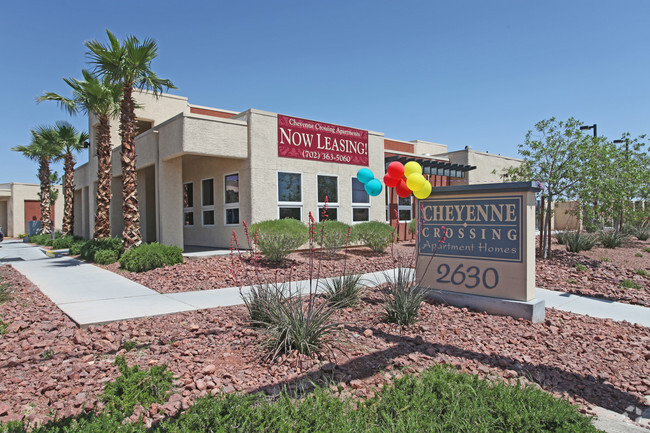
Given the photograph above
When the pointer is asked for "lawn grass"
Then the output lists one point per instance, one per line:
(438, 400)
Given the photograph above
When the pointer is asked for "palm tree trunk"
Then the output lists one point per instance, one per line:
(68, 194)
(44, 177)
(130, 209)
(102, 214)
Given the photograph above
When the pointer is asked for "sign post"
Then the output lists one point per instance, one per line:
(487, 261)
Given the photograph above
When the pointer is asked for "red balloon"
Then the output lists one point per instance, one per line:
(391, 182)
(395, 170)
(402, 190)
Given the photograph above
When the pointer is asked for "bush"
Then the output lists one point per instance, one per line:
(262, 301)
(65, 242)
(89, 248)
(75, 248)
(561, 237)
(611, 238)
(576, 241)
(413, 226)
(277, 238)
(343, 291)
(335, 235)
(146, 257)
(136, 386)
(374, 234)
(43, 239)
(402, 298)
(105, 257)
(641, 232)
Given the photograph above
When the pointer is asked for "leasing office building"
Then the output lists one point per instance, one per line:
(202, 171)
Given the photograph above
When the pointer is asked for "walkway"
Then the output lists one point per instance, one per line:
(90, 295)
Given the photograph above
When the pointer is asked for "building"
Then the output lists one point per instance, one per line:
(203, 171)
(20, 206)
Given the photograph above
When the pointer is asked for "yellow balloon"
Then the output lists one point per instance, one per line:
(415, 181)
(412, 167)
(424, 192)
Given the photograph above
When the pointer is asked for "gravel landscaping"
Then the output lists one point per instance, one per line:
(51, 367)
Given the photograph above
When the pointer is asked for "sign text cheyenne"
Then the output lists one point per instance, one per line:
(308, 139)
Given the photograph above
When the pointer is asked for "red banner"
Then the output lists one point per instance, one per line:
(317, 141)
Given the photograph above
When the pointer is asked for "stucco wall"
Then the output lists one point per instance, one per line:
(14, 202)
(485, 164)
(3, 216)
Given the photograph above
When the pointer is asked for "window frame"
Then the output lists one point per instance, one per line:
(289, 204)
(189, 209)
(227, 206)
(401, 207)
(207, 208)
(330, 205)
(358, 205)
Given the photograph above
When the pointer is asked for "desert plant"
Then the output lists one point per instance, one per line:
(611, 238)
(262, 303)
(343, 291)
(638, 255)
(3, 326)
(135, 386)
(628, 284)
(335, 235)
(580, 267)
(47, 353)
(89, 248)
(646, 250)
(5, 292)
(374, 234)
(561, 237)
(413, 226)
(105, 257)
(642, 272)
(579, 241)
(146, 257)
(275, 239)
(642, 232)
(402, 297)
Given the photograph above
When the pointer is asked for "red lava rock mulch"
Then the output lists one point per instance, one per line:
(600, 278)
(48, 364)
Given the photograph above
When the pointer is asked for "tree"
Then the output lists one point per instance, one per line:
(552, 155)
(68, 141)
(101, 97)
(42, 149)
(128, 63)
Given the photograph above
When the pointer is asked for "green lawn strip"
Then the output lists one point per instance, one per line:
(438, 400)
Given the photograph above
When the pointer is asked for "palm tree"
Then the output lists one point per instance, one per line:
(68, 140)
(101, 97)
(42, 149)
(128, 63)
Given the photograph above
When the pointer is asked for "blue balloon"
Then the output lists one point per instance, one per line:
(364, 175)
(373, 187)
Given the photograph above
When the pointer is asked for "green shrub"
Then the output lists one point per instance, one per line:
(105, 257)
(561, 237)
(642, 272)
(334, 236)
(65, 242)
(642, 232)
(628, 284)
(146, 257)
(402, 298)
(277, 238)
(89, 248)
(41, 239)
(135, 386)
(75, 248)
(576, 241)
(343, 291)
(580, 267)
(413, 226)
(374, 234)
(611, 238)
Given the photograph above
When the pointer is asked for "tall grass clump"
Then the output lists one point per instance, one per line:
(576, 241)
(402, 297)
(374, 234)
(611, 238)
(343, 291)
(146, 257)
(262, 302)
(275, 239)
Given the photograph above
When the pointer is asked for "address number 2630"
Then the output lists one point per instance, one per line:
(470, 277)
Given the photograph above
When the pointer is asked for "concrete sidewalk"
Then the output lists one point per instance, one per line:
(90, 295)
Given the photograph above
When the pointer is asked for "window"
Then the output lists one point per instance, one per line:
(404, 208)
(231, 194)
(188, 204)
(328, 188)
(207, 201)
(360, 202)
(290, 195)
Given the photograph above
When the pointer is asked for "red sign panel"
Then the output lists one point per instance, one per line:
(317, 141)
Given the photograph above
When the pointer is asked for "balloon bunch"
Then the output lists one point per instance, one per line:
(415, 182)
(370, 184)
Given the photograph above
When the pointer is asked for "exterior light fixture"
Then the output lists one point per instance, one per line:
(586, 127)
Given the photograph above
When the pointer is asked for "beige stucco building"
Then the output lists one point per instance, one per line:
(20, 203)
(203, 171)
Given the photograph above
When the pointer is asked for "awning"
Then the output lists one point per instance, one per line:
(433, 167)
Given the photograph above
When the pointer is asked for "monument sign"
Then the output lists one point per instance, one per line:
(489, 240)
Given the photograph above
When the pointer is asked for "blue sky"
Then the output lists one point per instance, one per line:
(462, 73)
